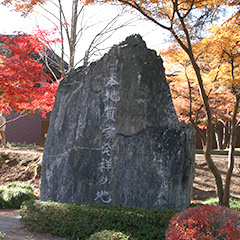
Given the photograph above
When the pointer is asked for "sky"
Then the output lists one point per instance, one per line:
(154, 37)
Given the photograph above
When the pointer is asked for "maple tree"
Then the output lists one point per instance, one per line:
(226, 65)
(218, 58)
(185, 93)
(185, 21)
(25, 84)
(23, 6)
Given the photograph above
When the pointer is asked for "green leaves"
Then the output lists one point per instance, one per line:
(2, 235)
(81, 221)
(109, 235)
(14, 194)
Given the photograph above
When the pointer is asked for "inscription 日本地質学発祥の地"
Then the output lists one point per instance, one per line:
(112, 97)
(114, 136)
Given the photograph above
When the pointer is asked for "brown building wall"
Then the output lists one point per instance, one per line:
(26, 129)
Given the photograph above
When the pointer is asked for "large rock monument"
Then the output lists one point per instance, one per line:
(114, 136)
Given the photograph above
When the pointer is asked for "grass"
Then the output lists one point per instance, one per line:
(233, 202)
(24, 144)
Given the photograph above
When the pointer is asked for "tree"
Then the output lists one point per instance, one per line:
(185, 94)
(25, 84)
(23, 6)
(185, 21)
(227, 63)
(72, 28)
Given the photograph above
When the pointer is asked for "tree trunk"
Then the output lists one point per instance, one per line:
(208, 143)
(62, 67)
(218, 136)
(226, 134)
(73, 37)
(233, 138)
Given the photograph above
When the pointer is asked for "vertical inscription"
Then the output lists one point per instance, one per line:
(111, 98)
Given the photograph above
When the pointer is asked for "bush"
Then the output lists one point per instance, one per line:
(205, 222)
(2, 235)
(108, 235)
(1, 201)
(14, 194)
(19, 185)
(81, 221)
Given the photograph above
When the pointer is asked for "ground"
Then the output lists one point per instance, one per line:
(24, 164)
(21, 164)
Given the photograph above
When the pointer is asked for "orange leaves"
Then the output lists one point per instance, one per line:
(24, 6)
(224, 37)
(216, 69)
(223, 43)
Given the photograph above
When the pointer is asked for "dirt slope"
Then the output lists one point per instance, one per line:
(21, 164)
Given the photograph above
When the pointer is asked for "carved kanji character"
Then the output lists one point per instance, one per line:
(110, 113)
(112, 95)
(104, 196)
(107, 131)
(103, 179)
(106, 149)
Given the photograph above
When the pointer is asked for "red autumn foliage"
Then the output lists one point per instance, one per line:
(24, 83)
(205, 222)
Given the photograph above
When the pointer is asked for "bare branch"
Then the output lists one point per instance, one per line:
(137, 7)
(22, 114)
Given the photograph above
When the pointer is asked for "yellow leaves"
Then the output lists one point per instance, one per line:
(222, 47)
(24, 6)
(175, 54)
(225, 36)
(220, 73)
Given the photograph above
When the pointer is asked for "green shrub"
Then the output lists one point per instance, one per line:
(1, 201)
(108, 235)
(234, 203)
(2, 235)
(19, 185)
(205, 222)
(81, 221)
(14, 194)
(24, 144)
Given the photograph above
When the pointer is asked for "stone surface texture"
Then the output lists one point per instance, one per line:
(114, 136)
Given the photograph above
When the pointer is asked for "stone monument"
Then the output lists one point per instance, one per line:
(114, 136)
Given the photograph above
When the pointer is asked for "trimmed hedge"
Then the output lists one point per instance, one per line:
(109, 235)
(81, 221)
(14, 194)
